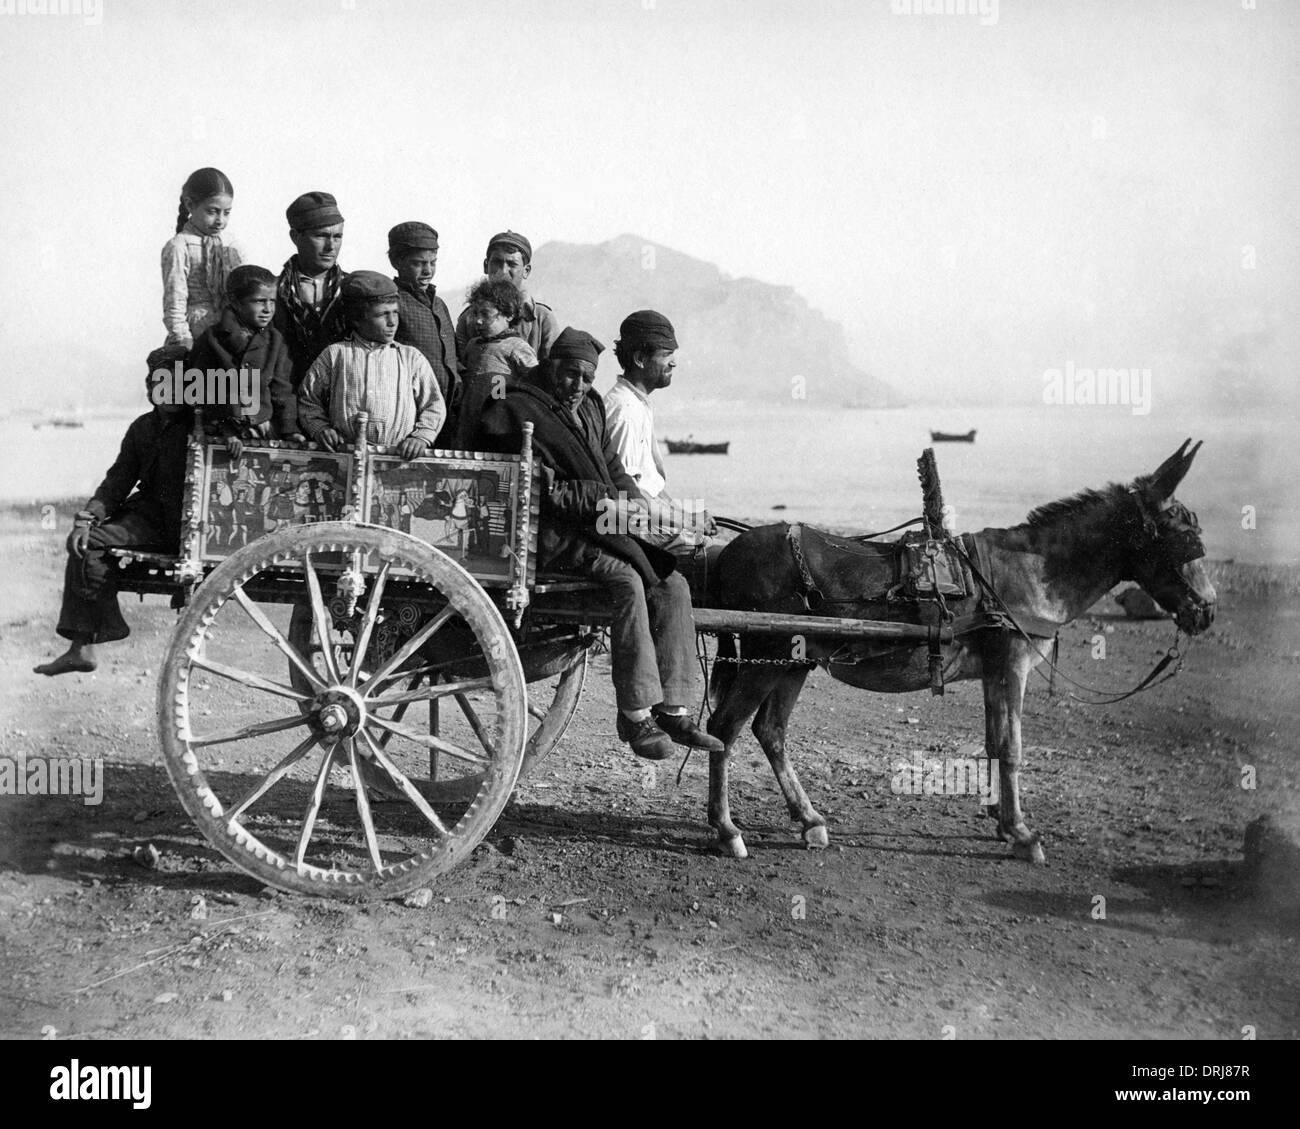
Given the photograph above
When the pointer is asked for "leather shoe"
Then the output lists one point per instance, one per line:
(646, 738)
(682, 729)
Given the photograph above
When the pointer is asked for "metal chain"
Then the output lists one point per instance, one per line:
(763, 662)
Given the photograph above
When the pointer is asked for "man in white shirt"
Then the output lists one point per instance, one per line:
(646, 349)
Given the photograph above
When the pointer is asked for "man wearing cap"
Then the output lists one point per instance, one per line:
(646, 349)
(308, 309)
(424, 320)
(369, 372)
(510, 258)
(590, 508)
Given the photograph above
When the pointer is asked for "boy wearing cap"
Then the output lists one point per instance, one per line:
(586, 492)
(646, 349)
(308, 308)
(138, 506)
(423, 318)
(509, 258)
(393, 384)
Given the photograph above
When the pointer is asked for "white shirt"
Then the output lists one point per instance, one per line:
(632, 433)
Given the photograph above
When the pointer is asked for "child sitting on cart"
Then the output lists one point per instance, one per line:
(245, 338)
(137, 506)
(496, 358)
(370, 372)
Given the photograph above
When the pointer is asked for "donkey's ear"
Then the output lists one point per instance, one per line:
(1170, 473)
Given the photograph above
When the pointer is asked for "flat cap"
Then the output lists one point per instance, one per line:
(414, 235)
(368, 285)
(515, 240)
(312, 210)
(647, 329)
(577, 344)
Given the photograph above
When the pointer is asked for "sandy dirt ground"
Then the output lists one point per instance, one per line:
(914, 923)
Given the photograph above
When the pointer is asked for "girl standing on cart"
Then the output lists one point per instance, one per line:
(197, 260)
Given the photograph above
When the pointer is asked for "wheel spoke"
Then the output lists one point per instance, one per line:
(428, 740)
(363, 806)
(411, 792)
(413, 644)
(427, 668)
(290, 651)
(432, 691)
(368, 622)
(259, 729)
(313, 806)
(475, 724)
(248, 678)
(536, 712)
(324, 624)
(272, 778)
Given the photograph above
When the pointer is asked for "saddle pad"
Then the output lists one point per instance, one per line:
(844, 569)
(882, 570)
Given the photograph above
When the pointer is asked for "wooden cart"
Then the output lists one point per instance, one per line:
(378, 585)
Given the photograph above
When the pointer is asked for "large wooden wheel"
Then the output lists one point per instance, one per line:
(259, 763)
(552, 700)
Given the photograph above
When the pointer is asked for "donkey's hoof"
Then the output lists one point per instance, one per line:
(815, 837)
(1030, 852)
(733, 848)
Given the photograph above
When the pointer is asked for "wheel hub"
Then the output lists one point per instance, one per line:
(339, 712)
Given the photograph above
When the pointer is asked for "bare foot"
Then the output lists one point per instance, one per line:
(75, 660)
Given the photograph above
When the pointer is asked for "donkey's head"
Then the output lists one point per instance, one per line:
(1165, 554)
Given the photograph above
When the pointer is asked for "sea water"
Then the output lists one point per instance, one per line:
(856, 469)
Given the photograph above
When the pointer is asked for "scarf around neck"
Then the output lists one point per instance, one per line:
(306, 322)
(214, 263)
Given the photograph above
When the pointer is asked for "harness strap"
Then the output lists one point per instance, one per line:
(892, 529)
(1003, 617)
(812, 595)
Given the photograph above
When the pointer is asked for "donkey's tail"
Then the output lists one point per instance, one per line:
(723, 673)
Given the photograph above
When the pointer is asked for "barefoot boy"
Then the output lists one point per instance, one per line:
(138, 506)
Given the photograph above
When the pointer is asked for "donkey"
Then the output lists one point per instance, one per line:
(1045, 572)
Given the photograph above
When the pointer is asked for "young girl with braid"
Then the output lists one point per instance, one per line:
(197, 259)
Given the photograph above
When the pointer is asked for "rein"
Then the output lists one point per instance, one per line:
(1158, 673)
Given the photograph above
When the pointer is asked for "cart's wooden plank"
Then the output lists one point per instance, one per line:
(716, 620)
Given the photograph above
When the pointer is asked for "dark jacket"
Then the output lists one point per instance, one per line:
(229, 345)
(152, 463)
(580, 470)
(306, 332)
(425, 322)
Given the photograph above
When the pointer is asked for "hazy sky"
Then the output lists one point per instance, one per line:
(975, 199)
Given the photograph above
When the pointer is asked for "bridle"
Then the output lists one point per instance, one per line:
(1171, 539)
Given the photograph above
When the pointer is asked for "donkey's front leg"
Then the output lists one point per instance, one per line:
(1004, 696)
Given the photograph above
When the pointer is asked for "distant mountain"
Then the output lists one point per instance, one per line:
(740, 339)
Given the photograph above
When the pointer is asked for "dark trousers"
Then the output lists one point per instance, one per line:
(90, 613)
(652, 638)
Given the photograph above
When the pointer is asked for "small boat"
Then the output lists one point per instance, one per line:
(952, 437)
(688, 447)
(59, 421)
